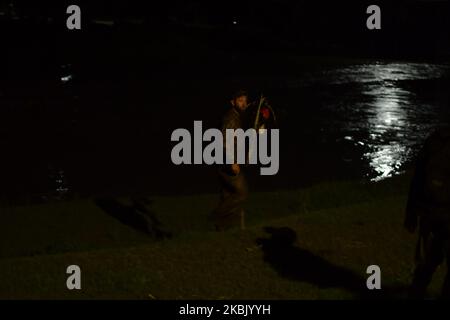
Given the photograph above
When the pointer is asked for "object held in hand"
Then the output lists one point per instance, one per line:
(264, 116)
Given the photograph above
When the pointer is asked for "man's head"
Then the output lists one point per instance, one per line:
(239, 100)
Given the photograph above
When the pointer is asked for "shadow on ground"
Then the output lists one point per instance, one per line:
(136, 216)
(295, 263)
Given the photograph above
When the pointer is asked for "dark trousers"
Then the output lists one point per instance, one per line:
(234, 192)
(435, 237)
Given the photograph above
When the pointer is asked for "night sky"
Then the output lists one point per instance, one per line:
(410, 29)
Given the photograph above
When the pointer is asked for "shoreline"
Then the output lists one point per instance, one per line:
(338, 228)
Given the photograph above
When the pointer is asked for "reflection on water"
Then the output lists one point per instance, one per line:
(59, 187)
(388, 122)
(61, 184)
(387, 160)
(66, 78)
(345, 122)
(66, 73)
(395, 121)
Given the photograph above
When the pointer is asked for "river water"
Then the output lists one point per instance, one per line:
(377, 113)
(354, 121)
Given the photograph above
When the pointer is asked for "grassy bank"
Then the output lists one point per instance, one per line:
(318, 245)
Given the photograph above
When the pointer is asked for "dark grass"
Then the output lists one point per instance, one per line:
(318, 245)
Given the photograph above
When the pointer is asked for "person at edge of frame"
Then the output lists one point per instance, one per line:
(428, 208)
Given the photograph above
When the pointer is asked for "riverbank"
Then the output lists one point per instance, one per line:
(340, 228)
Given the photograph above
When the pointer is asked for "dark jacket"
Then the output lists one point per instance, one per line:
(233, 119)
(430, 188)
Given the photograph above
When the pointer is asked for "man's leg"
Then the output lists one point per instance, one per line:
(234, 193)
(446, 287)
(433, 257)
(242, 219)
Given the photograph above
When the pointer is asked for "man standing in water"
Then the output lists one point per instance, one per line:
(234, 189)
(429, 204)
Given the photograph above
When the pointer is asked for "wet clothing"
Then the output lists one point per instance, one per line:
(429, 204)
(234, 190)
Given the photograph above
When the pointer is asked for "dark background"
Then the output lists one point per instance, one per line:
(315, 27)
(153, 68)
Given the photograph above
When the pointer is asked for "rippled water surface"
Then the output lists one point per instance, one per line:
(79, 136)
(383, 110)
